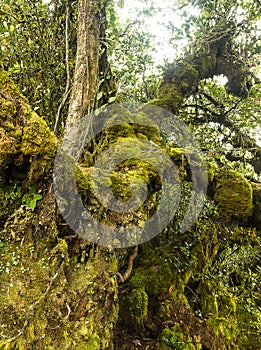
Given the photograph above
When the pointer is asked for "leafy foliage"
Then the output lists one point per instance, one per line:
(33, 50)
(223, 123)
(14, 195)
(131, 47)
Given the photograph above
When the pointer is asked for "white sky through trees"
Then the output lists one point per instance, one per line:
(156, 23)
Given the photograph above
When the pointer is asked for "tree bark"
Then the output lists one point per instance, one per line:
(87, 60)
(86, 74)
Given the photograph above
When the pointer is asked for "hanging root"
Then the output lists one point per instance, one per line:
(127, 273)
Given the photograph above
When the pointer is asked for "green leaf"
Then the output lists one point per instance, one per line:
(28, 202)
(121, 4)
(205, 14)
(99, 95)
(112, 99)
(32, 204)
(37, 197)
(12, 28)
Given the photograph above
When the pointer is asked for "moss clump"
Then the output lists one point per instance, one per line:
(175, 152)
(7, 110)
(189, 78)
(234, 195)
(206, 64)
(208, 296)
(228, 330)
(23, 133)
(37, 137)
(126, 185)
(83, 179)
(124, 123)
(176, 338)
(134, 310)
(169, 98)
(179, 81)
(10, 129)
(9, 144)
(9, 89)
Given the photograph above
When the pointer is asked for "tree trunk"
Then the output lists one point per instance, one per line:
(86, 74)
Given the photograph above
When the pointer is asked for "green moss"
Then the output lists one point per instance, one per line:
(9, 144)
(134, 310)
(129, 179)
(178, 84)
(212, 170)
(83, 178)
(208, 295)
(227, 329)
(37, 137)
(234, 195)
(41, 286)
(23, 132)
(169, 98)
(189, 79)
(7, 110)
(10, 136)
(9, 88)
(176, 338)
(130, 124)
(175, 152)
(206, 64)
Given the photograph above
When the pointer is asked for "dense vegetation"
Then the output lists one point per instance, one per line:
(199, 289)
